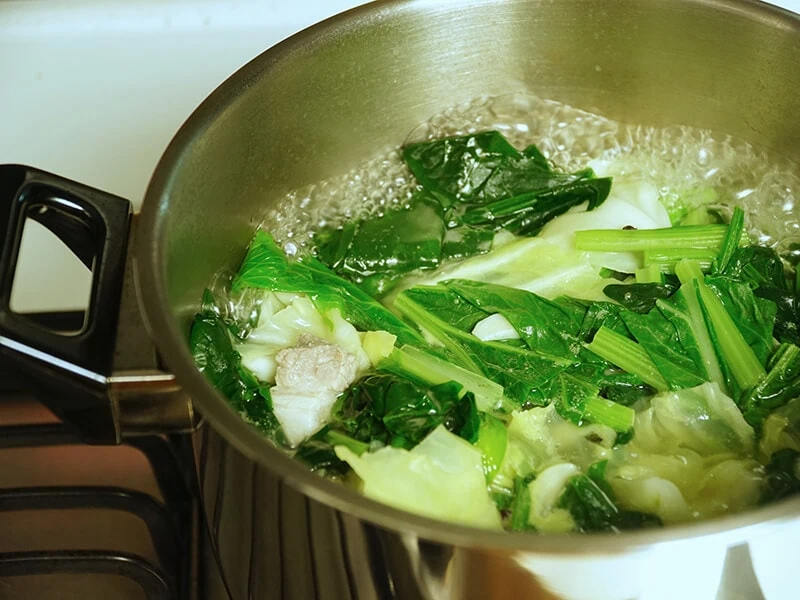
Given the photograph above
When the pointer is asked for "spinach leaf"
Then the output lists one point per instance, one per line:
(669, 334)
(475, 167)
(444, 303)
(526, 376)
(482, 180)
(266, 266)
(465, 241)
(318, 453)
(754, 316)
(781, 385)
(556, 328)
(528, 213)
(398, 412)
(639, 297)
(215, 357)
(781, 478)
(787, 313)
(757, 265)
(591, 503)
(545, 326)
(376, 252)
(763, 270)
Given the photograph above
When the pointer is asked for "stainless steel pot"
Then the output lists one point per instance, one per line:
(315, 106)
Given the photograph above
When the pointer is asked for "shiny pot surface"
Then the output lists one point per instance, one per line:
(316, 106)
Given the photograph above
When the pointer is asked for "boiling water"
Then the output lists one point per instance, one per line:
(678, 160)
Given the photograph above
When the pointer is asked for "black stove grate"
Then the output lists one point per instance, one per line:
(169, 524)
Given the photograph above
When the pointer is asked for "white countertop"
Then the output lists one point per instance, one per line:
(93, 90)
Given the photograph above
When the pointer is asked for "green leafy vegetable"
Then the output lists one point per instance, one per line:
(592, 507)
(397, 412)
(628, 355)
(375, 252)
(267, 267)
(781, 385)
(522, 373)
(426, 369)
(692, 237)
(580, 403)
(639, 297)
(782, 475)
(483, 179)
(213, 353)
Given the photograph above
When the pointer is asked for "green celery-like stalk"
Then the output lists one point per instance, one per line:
(634, 240)
(437, 328)
(521, 507)
(628, 356)
(689, 273)
(666, 259)
(337, 438)
(649, 274)
(745, 367)
(412, 362)
(731, 240)
(607, 412)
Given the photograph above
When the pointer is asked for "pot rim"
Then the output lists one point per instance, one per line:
(174, 350)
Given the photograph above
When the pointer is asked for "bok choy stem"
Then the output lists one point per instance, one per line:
(607, 412)
(623, 240)
(745, 367)
(628, 356)
(412, 362)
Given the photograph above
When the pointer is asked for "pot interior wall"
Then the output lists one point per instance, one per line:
(318, 106)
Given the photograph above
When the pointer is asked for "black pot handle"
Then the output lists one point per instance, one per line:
(68, 372)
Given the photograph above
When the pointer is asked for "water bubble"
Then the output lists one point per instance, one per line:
(680, 161)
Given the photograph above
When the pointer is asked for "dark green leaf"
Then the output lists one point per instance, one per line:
(546, 326)
(482, 180)
(639, 297)
(781, 385)
(395, 411)
(781, 478)
(216, 358)
(267, 267)
(787, 313)
(529, 212)
(593, 508)
(754, 317)
(375, 252)
(526, 376)
(668, 334)
(443, 303)
(757, 265)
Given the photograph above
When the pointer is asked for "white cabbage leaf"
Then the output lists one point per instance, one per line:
(442, 478)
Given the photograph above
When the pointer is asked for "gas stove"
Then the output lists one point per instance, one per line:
(94, 90)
